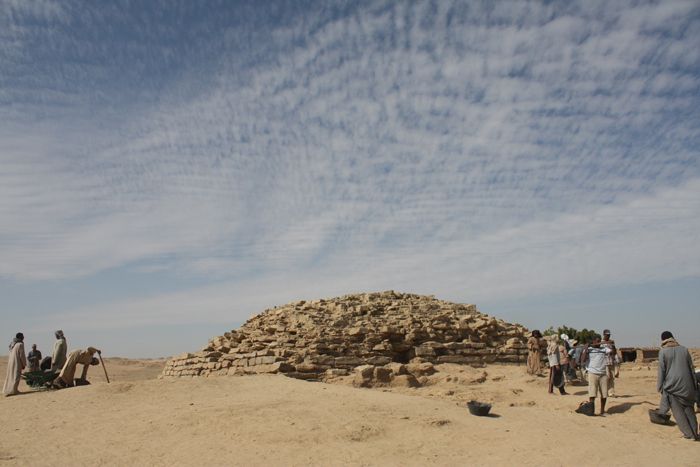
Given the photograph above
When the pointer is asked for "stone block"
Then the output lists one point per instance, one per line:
(277, 367)
(268, 359)
(396, 368)
(308, 367)
(348, 361)
(424, 351)
(405, 381)
(336, 372)
(379, 360)
(382, 375)
(363, 376)
(420, 369)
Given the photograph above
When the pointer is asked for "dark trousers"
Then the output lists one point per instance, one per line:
(556, 378)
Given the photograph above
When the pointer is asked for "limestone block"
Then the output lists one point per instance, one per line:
(308, 367)
(396, 368)
(382, 375)
(455, 345)
(405, 381)
(277, 367)
(336, 372)
(348, 361)
(328, 360)
(379, 360)
(424, 351)
(363, 376)
(420, 369)
(382, 347)
(357, 331)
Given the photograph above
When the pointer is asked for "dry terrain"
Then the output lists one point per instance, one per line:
(274, 420)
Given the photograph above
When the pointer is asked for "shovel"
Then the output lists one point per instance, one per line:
(99, 355)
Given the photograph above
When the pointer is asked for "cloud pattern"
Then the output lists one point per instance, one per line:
(471, 149)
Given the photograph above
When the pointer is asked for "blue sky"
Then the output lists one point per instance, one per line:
(168, 169)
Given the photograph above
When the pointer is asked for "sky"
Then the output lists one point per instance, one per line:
(170, 169)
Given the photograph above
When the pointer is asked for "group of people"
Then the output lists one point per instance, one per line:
(598, 363)
(61, 363)
(569, 360)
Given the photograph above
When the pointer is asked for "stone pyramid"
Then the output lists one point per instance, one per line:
(313, 339)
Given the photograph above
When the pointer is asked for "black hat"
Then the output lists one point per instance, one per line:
(606, 332)
(666, 335)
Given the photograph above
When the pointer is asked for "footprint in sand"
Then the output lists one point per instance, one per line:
(480, 379)
(363, 433)
(439, 422)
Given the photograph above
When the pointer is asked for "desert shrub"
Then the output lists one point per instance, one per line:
(583, 336)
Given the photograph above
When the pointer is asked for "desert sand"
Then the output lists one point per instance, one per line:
(139, 419)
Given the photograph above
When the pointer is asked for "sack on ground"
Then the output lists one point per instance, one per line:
(586, 408)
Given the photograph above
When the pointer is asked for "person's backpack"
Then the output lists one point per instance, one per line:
(586, 408)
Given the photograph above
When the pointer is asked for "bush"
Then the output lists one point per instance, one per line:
(583, 336)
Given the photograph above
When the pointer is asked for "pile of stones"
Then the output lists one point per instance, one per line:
(384, 338)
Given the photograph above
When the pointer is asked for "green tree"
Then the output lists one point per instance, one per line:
(583, 336)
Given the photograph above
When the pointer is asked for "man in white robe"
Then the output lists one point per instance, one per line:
(16, 362)
(60, 348)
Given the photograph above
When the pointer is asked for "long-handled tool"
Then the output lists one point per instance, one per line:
(99, 355)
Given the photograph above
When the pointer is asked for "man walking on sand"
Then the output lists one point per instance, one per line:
(678, 385)
(596, 355)
(556, 378)
(15, 364)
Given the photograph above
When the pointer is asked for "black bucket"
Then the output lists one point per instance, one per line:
(659, 418)
(480, 409)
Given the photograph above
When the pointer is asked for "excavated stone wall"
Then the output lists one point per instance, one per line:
(367, 332)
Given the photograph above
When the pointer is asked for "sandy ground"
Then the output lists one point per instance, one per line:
(273, 420)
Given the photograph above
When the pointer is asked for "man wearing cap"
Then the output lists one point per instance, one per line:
(60, 348)
(678, 385)
(610, 361)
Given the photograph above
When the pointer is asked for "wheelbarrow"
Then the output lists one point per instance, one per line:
(39, 379)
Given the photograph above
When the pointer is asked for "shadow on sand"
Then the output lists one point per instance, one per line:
(624, 407)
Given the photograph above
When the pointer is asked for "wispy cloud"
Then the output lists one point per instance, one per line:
(499, 148)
